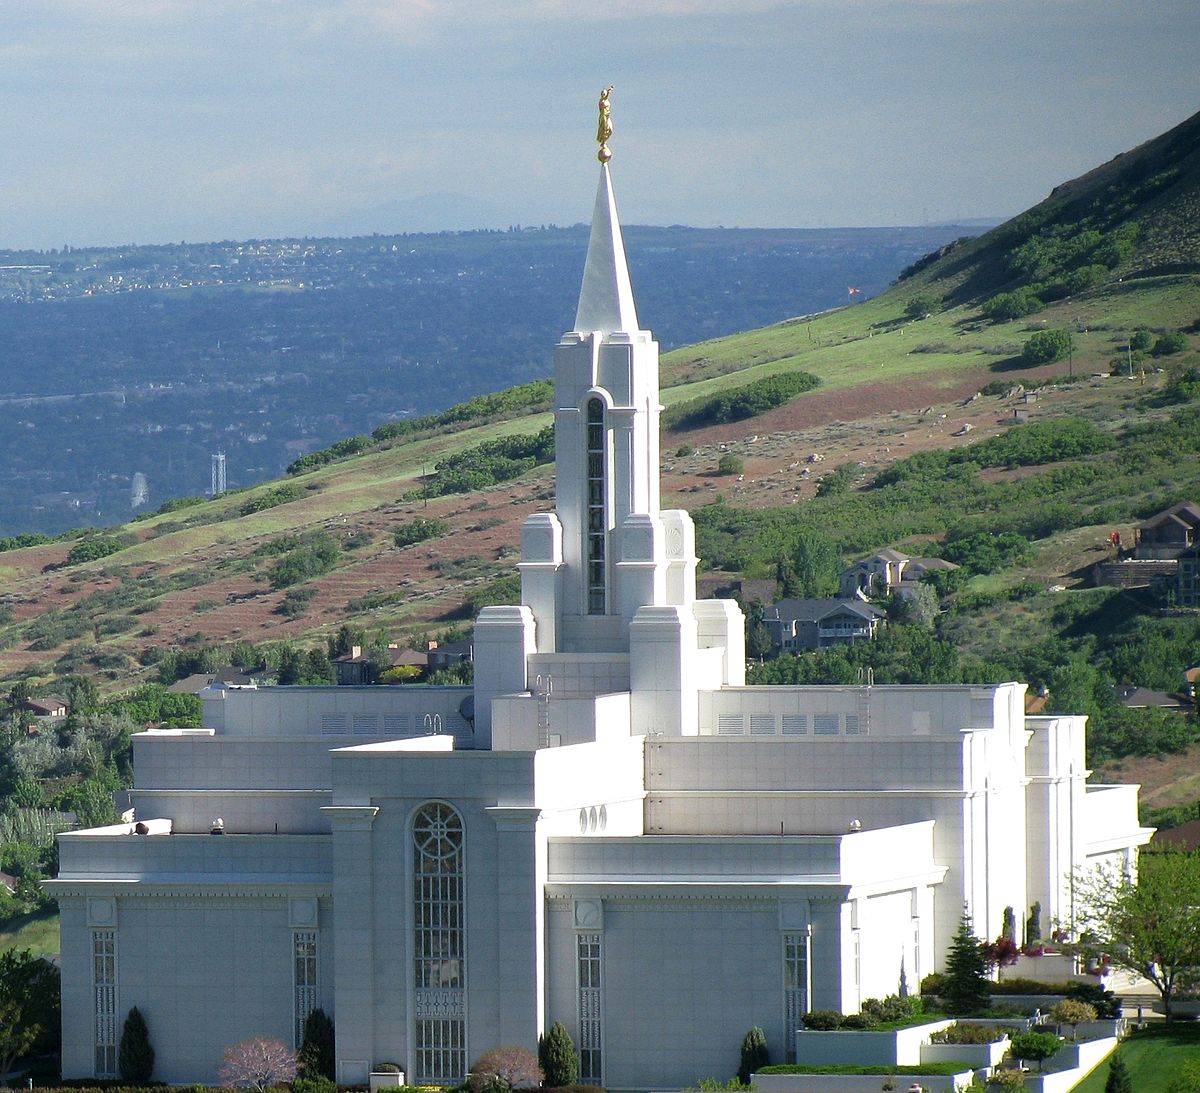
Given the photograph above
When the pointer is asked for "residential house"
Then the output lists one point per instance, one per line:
(798, 626)
(888, 572)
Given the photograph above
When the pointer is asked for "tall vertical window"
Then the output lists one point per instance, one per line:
(597, 522)
(304, 979)
(590, 1024)
(795, 988)
(104, 1001)
(438, 946)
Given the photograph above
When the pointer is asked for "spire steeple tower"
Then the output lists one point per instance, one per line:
(606, 298)
(608, 580)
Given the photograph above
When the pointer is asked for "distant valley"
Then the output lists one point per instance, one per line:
(149, 359)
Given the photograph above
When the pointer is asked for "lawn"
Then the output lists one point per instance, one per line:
(1152, 1056)
(37, 932)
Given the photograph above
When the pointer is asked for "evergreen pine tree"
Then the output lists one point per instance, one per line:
(754, 1054)
(965, 987)
(557, 1057)
(135, 1056)
(1118, 1076)
(315, 1059)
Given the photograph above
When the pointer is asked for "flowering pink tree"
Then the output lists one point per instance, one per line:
(257, 1063)
(503, 1069)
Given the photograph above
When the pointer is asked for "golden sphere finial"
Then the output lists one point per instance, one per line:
(605, 128)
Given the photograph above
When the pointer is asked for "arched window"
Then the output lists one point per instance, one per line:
(439, 945)
(597, 516)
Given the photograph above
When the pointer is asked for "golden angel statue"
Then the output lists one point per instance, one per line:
(605, 129)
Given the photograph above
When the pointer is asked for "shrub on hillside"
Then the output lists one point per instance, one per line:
(1174, 341)
(417, 531)
(730, 464)
(1012, 305)
(313, 556)
(1046, 346)
(96, 546)
(270, 499)
(985, 552)
(737, 403)
(486, 464)
(924, 303)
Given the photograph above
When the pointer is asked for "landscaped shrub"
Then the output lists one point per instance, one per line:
(754, 1054)
(862, 1022)
(822, 1020)
(135, 1056)
(503, 1069)
(557, 1056)
(1035, 1047)
(1070, 1011)
(965, 986)
(966, 1032)
(894, 1007)
(316, 1057)
(948, 1067)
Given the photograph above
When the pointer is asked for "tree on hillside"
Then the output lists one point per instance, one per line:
(1047, 346)
(965, 985)
(811, 567)
(1150, 927)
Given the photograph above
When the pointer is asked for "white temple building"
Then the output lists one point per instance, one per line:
(610, 829)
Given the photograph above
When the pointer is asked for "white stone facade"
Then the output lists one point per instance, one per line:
(616, 833)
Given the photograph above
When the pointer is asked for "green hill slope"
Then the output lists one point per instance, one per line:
(293, 561)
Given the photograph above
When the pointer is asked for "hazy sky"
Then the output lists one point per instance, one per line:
(161, 120)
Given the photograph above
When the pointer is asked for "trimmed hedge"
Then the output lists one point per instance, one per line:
(950, 1067)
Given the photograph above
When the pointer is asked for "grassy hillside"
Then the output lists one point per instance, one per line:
(914, 417)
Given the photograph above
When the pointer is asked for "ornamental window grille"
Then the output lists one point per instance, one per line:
(589, 1002)
(304, 980)
(104, 1001)
(795, 988)
(597, 509)
(439, 946)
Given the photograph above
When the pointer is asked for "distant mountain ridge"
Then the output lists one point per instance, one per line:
(1144, 205)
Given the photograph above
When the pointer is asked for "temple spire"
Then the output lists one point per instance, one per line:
(606, 298)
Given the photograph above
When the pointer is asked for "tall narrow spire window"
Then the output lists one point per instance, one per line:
(597, 509)
(438, 945)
